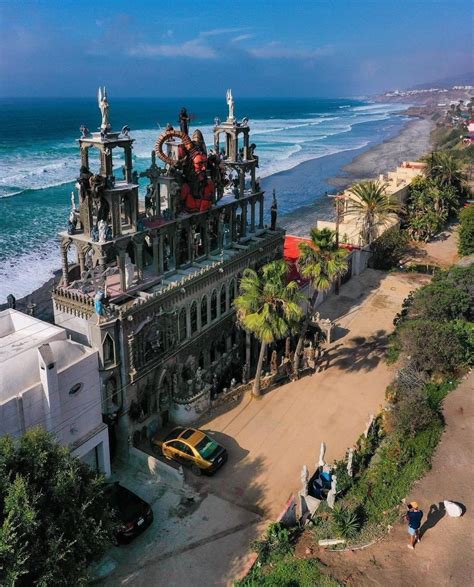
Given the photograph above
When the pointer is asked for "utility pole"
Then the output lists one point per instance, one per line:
(337, 205)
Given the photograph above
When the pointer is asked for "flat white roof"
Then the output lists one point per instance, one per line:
(20, 332)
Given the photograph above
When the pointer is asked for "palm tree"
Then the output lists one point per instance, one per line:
(322, 262)
(445, 170)
(371, 206)
(268, 307)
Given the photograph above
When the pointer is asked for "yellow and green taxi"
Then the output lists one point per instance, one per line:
(192, 448)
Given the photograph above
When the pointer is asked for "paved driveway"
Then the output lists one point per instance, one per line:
(204, 538)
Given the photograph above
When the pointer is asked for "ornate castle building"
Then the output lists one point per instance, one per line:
(153, 282)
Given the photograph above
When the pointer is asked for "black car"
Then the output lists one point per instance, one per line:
(133, 513)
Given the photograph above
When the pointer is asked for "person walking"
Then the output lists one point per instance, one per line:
(413, 516)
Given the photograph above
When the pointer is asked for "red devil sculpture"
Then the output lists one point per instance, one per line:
(197, 192)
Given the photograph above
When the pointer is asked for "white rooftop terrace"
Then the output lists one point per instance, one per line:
(20, 333)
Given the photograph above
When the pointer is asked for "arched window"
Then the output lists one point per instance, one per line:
(214, 305)
(182, 325)
(109, 351)
(231, 292)
(203, 311)
(194, 317)
(223, 300)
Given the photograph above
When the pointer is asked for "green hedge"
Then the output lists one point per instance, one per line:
(289, 572)
(466, 231)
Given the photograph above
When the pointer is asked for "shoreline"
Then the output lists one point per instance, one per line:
(411, 142)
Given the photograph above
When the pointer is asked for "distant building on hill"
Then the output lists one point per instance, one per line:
(153, 281)
(49, 381)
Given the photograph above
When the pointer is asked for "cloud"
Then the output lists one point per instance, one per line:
(275, 50)
(194, 49)
(240, 38)
(222, 31)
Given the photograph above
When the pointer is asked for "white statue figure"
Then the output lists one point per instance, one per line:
(369, 425)
(304, 480)
(322, 452)
(331, 498)
(73, 202)
(102, 226)
(230, 103)
(104, 109)
(350, 458)
(129, 272)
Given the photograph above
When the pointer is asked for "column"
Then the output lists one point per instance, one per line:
(156, 254)
(128, 163)
(242, 182)
(232, 224)
(102, 267)
(190, 239)
(139, 259)
(121, 267)
(243, 229)
(64, 265)
(161, 256)
(205, 235)
(188, 321)
(260, 212)
(252, 216)
(85, 156)
(82, 259)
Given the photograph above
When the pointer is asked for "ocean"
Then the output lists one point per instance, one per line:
(39, 158)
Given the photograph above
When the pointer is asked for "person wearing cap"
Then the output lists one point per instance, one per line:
(413, 517)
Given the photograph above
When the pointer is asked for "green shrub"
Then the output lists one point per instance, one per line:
(289, 572)
(440, 301)
(389, 247)
(347, 521)
(466, 231)
(277, 542)
(433, 347)
(411, 413)
(402, 460)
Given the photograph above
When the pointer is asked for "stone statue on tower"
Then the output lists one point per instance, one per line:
(104, 110)
(230, 103)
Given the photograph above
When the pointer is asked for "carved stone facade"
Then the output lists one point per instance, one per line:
(168, 272)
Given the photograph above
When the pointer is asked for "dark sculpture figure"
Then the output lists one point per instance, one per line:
(84, 131)
(273, 212)
(84, 182)
(197, 190)
(11, 301)
(184, 120)
(97, 184)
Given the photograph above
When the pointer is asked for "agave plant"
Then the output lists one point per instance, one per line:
(347, 521)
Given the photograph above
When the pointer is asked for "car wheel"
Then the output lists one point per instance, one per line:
(196, 470)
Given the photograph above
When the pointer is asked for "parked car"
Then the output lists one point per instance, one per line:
(134, 514)
(192, 448)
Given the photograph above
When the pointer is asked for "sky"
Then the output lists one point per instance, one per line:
(258, 48)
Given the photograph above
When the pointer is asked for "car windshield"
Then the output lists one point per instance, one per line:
(207, 447)
(187, 433)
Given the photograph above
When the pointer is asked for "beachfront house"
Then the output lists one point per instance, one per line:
(396, 186)
(50, 381)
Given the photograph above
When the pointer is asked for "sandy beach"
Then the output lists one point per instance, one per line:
(411, 143)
